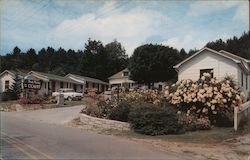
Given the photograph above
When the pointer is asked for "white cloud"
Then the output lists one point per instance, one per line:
(242, 13)
(200, 8)
(187, 42)
(131, 28)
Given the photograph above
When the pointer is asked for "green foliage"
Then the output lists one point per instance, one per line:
(7, 96)
(16, 87)
(154, 63)
(121, 112)
(239, 46)
(222, 119)
(151, 120)
(96, 60)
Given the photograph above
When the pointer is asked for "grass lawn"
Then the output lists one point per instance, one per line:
(215, 135)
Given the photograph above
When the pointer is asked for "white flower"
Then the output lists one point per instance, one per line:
(195, 100)
(224, 100)
(213, 107)
(203, 78)
(166, 93)
(213, 101)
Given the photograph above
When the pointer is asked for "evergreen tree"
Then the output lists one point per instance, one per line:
(16, 87)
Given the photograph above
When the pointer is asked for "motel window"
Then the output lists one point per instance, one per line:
(45, 85)
(246, 82)
(61, 85)
(210, 71)
(67, 85)
(93, 85)
(87, 84)
(7, 85)
(160, 87)
(242, 79)
(125, 74)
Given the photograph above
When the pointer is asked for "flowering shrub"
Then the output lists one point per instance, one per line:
(204, 96)
(193, 123)
(140, 95)
(118, 109)
(35, 99)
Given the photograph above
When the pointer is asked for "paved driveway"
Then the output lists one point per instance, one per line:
(52, 116)
(32, 135)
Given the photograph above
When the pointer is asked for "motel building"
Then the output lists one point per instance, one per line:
(52, 83)
(49, 83)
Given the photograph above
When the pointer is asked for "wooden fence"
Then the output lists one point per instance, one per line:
(241, 114)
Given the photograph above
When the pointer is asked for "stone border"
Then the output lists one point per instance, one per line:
(104, 123)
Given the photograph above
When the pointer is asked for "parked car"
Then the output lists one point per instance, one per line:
(68, 94)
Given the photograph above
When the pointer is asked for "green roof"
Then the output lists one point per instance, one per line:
(55, 77)
(88, 79)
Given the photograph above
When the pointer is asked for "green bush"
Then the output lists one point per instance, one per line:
(7, 96)
(152, 120)
(121, 112)
(222, 119)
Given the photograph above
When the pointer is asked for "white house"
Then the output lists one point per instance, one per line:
(221, 64)
(7, 78)
(121, 79)
(89, 83)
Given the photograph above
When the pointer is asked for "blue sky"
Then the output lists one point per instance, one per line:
(69, 23)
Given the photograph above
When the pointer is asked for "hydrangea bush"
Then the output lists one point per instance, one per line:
(204, 96)
(140, 95)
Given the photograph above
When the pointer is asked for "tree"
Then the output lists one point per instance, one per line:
(153, 63)
(238, 46)
(94, 59)
(100, 61)
(183, 53)
(117, 57)
(30, 59)
(16, 87)
(16, 58)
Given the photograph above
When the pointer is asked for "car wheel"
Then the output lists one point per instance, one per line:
(69, 98)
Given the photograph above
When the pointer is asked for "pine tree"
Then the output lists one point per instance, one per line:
(16, 87)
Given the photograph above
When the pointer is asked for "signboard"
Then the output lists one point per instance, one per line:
(32, 82)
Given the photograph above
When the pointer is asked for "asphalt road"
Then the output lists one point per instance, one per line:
(22, 138)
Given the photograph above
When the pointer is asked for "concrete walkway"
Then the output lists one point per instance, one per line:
(51, 116)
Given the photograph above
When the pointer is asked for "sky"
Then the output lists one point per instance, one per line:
(69, 23)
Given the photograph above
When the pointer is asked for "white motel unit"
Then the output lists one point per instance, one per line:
(221, 64)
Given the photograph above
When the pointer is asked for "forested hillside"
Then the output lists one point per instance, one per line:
(239, 46)
(101, 61)
(96, 60)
